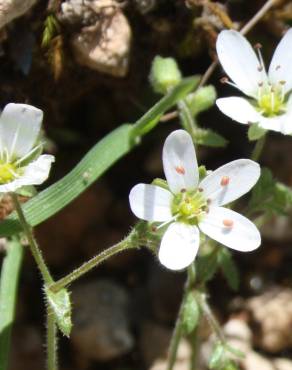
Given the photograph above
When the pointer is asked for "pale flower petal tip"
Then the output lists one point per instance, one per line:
(231, 229)
(271, 92)
(20, 126)
(151, 203)
(180, 161)
(179, 246)
(20, 162)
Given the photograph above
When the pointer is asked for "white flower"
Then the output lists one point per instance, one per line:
(20, 162)
(190, 206)
(269, 101)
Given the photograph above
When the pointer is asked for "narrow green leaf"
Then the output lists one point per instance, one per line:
(255, 132)
(8, 296)
(190, 313)
(51, 200)
(229, 268)
(151, 118)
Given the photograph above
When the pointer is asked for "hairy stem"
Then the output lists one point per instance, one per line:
(177, 333)
(52, 359)
(93, 262)
(36, 252)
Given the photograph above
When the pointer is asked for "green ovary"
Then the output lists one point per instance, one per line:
(189, 207)
(7, 172)
(271, 104)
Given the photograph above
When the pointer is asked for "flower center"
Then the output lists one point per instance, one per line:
(189, 206)
(271, 99)
(8, 172)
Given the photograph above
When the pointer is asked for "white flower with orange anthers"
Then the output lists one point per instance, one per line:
(269, 102)
(191, 206)
(20, 160)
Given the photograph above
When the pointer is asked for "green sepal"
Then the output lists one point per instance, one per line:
(60, 305)
(190, 313)
(161, 183)
(201, 100)
(255, 132)
(202, 172)
(27, 191)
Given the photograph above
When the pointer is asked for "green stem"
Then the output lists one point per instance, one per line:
(52, 360)
(89, 265)
(186, 117)
(178, 330)
(8, 296)
(257, 151)
(202, 299)
(36, 252)
(195, 344)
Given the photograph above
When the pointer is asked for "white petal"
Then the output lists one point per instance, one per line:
(179, 246)
(180, 162)
(150, 202)
(238, 109)
(19, 128)
(280, 67)
(230, 181)
(34, 174)
(239, 61)
(242, 236)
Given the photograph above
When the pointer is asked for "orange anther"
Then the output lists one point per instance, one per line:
(224, 181)
(228, 223)
(180, 170)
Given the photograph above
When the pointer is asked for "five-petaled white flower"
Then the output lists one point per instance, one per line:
(269, 101)
(191, 205)
(20, 160)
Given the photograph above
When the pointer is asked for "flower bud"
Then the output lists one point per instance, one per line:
(201, 100)
(164, 74)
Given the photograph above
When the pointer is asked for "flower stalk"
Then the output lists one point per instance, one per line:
(127, 243)
(36, 252)
(52, 345)
(178, 329)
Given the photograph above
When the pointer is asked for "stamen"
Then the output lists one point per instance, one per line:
(153, 228)
(225, 80)
(200, 190)
(272, 98)
(167, 222)
(209, 201)
(277, 67)
(6, 155)
(228, 223)
(183, 190)
(260, 90)
(261, 67)
(28, 154)
(224, 181)
(180, 170)
(282, 83)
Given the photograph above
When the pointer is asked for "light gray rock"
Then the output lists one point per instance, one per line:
(11, 9)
